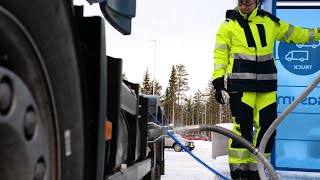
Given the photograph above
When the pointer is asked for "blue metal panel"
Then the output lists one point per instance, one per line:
(301, 127)
(297, 155)
(298, 137)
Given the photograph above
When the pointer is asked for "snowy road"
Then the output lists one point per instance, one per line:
(181, 166)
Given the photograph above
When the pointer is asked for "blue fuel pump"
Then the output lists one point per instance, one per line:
(298, 136)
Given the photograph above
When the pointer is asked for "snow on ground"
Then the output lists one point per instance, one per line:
(181, 166)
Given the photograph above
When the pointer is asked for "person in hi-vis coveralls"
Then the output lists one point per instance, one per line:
(244, 53)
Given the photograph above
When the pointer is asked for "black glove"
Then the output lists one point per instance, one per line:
(220, 94)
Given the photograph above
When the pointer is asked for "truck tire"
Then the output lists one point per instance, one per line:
(41, 112)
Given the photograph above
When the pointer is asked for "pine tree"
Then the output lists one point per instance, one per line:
(198, 107)
(166, 103)
(182, 78)
(213, 109)
(146, 84)
(172, 90)
(224, 112)
(182, 86)
(187, 109)
(158, 88)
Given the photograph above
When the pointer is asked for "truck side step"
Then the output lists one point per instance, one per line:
(136, 171)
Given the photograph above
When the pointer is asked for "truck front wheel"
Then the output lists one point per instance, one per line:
(41, 117)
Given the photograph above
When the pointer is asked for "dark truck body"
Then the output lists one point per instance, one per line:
(128, 155)
(55, 61)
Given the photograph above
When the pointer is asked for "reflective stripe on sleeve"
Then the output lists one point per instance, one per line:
(311, 34)
(221, 46)
(288, 33)
(219, 66)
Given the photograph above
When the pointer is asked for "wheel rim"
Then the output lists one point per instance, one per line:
(27, 141)
(177, 147)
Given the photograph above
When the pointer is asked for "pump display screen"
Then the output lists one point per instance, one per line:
(298, 137)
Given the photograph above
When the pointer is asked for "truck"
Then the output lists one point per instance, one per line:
(65, 112)
(297, 56)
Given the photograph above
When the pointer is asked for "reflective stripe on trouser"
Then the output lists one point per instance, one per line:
(252, 162)
(248, 109)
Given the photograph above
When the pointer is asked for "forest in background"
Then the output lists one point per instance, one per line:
(180, 109)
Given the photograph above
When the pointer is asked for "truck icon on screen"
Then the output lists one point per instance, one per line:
(309, 44)
(297, 56)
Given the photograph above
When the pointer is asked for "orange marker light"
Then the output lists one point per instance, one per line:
(108, 130)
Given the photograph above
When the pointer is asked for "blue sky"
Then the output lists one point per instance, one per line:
(184, 31)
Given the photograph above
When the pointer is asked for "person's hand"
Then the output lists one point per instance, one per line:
(222, 96)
